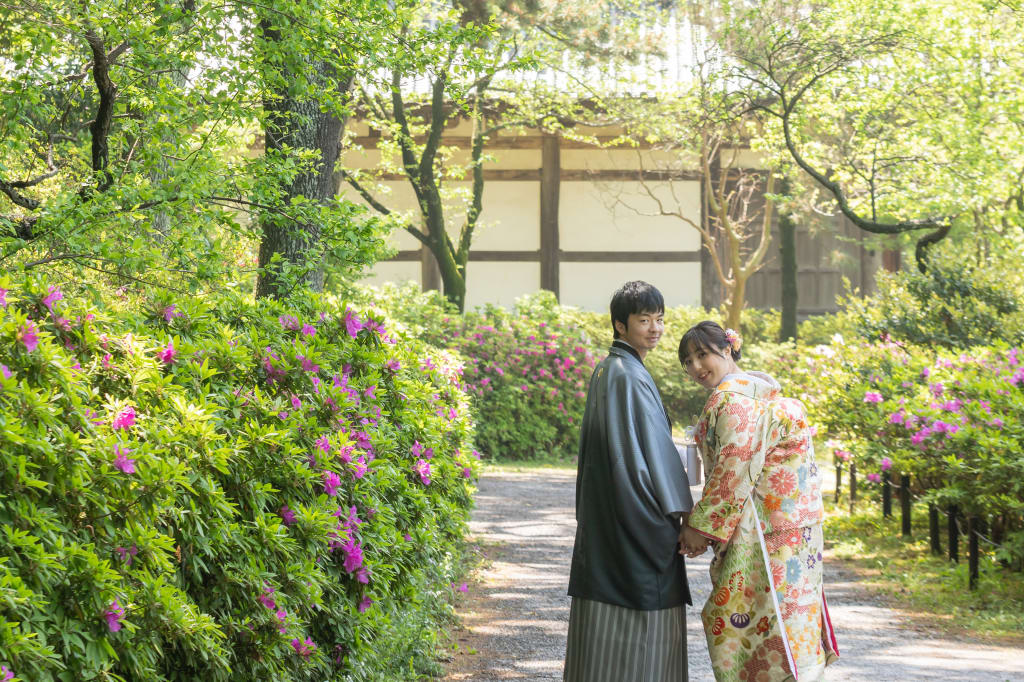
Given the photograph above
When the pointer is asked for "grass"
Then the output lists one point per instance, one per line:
(931, 589)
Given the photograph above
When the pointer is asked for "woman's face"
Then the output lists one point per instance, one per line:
(707, 367)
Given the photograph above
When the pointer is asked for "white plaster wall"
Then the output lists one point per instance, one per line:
(604, 216)
(393, 271)
(500, 283)
(591, 285)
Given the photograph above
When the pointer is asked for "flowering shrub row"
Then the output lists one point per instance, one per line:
(950, 419)
(223, 490)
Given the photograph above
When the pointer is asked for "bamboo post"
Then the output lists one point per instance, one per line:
(954, 534)
(839, 478)
(933, 529)
(886, 495)
(972, 551)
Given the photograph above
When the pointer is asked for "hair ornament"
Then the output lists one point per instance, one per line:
(735, 342)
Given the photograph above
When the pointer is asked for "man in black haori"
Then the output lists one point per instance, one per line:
(628, 581)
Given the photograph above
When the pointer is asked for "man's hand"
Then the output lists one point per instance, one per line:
(692, 543)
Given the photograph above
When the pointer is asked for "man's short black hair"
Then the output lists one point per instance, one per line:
(634, 297)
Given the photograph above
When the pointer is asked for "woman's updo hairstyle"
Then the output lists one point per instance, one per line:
(711, 336)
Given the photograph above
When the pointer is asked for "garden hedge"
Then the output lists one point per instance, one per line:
(223, 489)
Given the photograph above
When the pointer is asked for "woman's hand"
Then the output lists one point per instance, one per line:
(692, 543)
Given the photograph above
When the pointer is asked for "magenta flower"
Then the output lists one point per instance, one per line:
(422, 467)
(171, 312)
(874, 478)
(331, 483)
(323, 443)
(842, 455)
(896, 418)
(7, 674)
(266, 599)
(29, 336)
(873, 397)
(287, 516)
(462, 587)
(353, 551)
(114, 615)
(886, 464)
(352, 323)
(417, 449)
(305, 649)
(52, 297)
(407, 537)
(363, 576)
(289, 322)
(308, 330)
(166, 356)
(996, 423)
(3, 298)
(467, 472)
(5, 371)
(125, 419)
(359, 468)
(394, 365)
(370, 392)
(280, 615)
(365, 604)
(121, 460)
(308, 365)
(126, 554)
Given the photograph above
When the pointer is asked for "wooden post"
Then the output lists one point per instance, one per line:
(972, 551)
(839, 478)
(954, 534)
(933, 529)
(905, 503)
(550, 178)
(886, 494)
(853, 485)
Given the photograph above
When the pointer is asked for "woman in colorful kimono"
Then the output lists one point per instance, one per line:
(761, 511)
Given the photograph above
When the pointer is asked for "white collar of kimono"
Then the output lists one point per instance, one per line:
(760, 379)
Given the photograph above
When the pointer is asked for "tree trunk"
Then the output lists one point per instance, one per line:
(790, 293)
(298, 123)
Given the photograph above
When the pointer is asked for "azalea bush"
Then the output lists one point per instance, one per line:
(223, 489)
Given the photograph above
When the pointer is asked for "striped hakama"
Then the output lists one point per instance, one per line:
(609, 643)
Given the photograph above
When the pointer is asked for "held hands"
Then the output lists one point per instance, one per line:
(691, 543)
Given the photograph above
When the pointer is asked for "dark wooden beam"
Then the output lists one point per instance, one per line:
(568, 256)
(550, 178)
(571, 175)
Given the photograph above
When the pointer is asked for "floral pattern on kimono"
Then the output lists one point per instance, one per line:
(766, 619)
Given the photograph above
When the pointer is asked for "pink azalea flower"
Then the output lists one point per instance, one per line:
(407, 537)
(359, 468)
(125, 419)
(106, 361)
(296, 403)
(370, 392)
(121, 460)
(996, 423)
(417, 449)
(308, 330)
(3, 298)
(5, 371)
(52, 297)
(29, 336)
(365, 604)
(352, 323)
(394, 365)
(331, 483)
(476, 454)
(323, 443)
(287, 516)
(166, 356)
(363, 576)
(467, 472)
(7, 674)
(896, 418)
(304, 648)
(422, 467)
(114, 615)
(886, 464)
(873, 397)
(170, 312)
(280, 616)
(289, 322)
(874, 478)
(463, 587)
(127, 554)
(266, 599)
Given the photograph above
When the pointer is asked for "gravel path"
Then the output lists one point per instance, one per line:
(514, 618)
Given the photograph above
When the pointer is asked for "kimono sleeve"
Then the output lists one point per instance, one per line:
(732, 447)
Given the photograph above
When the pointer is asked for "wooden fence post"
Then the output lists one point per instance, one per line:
(954, 534)
(853, 485)
(886, 495)
(905, 503)
(933, 529)
(839, 478)
(972, 551)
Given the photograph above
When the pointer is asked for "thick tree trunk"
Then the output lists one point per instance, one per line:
(299, 123)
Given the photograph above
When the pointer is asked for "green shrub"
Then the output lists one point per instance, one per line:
(223, 490)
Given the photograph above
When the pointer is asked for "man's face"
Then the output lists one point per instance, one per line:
(642, 330)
